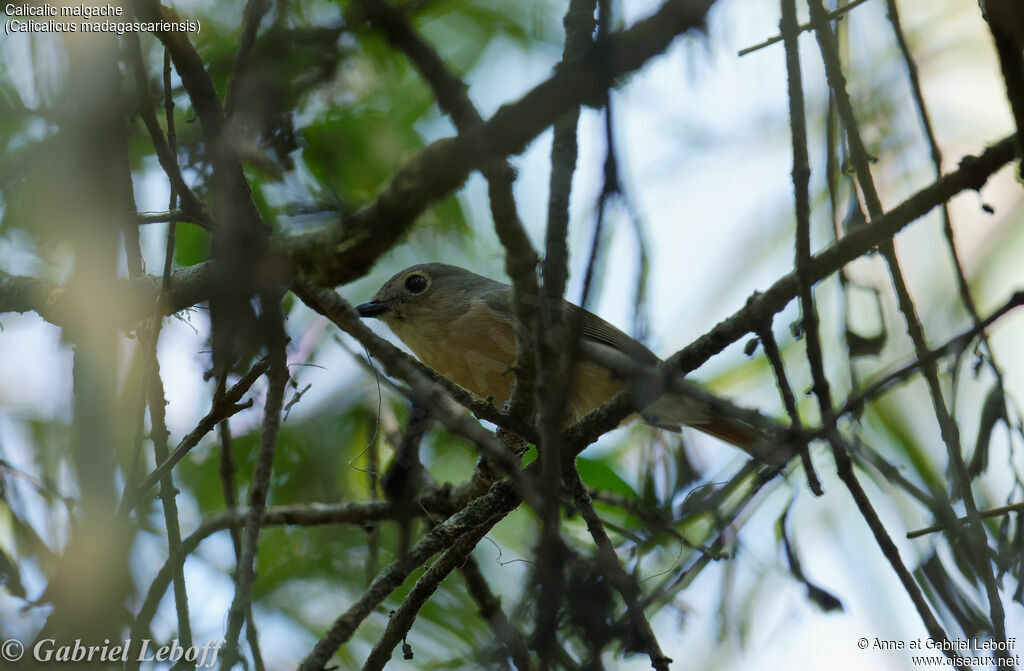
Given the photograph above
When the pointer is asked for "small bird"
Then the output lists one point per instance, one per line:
(461, 324)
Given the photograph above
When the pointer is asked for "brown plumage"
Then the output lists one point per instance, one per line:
(461, 325)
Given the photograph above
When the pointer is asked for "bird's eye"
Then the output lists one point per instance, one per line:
(416, 284)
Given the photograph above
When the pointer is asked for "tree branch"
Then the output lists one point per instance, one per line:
(401, 620)
(307, 514)
(163, 146)
(193, 285)
(484, 511)
(953, 345)
(223, 407)
(972, 174)
(245, 574)
(615, 573)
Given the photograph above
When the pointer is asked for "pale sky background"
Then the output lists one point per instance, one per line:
(705, 156)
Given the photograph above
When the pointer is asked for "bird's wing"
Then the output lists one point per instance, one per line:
(596, 329)
(591, 327)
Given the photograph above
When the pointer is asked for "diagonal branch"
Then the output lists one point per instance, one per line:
(484, 511)
(163, 145)
(345, 253)
(972, 174)
(1003, 18)
(985, 514)
(835, 14)
(223, 407)
(771, 350)
(310, 514)
(615, 573)
(401, 620)
(253, 14)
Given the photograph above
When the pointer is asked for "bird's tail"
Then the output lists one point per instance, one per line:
(757, 435)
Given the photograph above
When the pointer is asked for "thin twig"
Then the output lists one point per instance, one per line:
(153, 388)
(557, 351)
(168, 494)
(226, 471)
(652, 382)
(151, 393)
(403, 480)
(310, 514)
(955, 344)
(479, 407)
(445, 164)
(985, 514)
(165, 154)
(977, 546)
(345, 252)
(174, 197)
(553, 334)
(833, 15)
(936, 156)
(1009, 43)
(972, 174)
(725, 522)
(143, 218)
(222, 409)
(240, 241)
(579, 26)
(771, 350)
(317, 253)
(245, 574)
(801, 175)
(615, 573)
(160, 435)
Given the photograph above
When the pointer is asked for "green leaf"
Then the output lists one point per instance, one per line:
(599, 475)
(191, 245)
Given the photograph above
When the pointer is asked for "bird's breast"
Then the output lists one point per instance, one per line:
(475, 350)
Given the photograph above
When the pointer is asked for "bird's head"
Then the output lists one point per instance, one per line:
(428, 296)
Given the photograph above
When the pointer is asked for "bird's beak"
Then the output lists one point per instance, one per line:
(371, 309)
